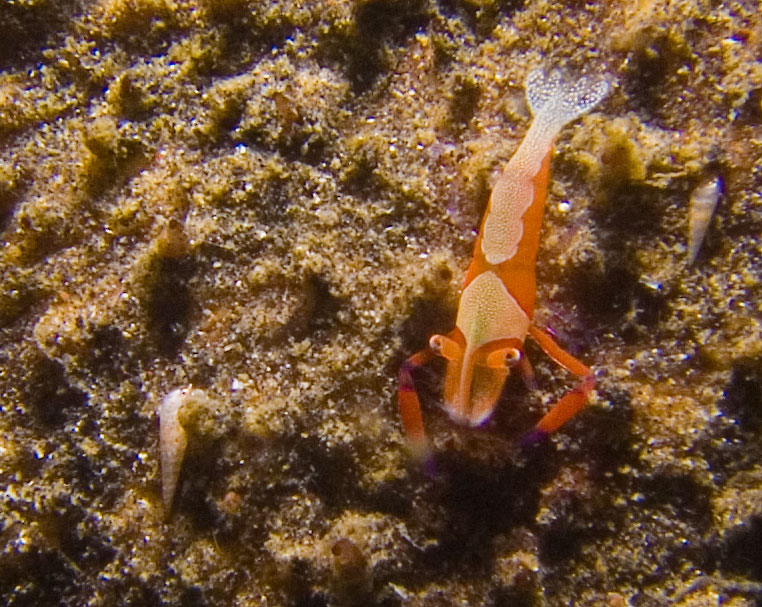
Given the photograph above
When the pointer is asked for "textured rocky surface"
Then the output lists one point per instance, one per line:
(275, 203)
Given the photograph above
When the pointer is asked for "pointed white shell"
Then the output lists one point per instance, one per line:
(703, 203)
(172, 442)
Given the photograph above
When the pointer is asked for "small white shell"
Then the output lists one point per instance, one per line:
(703, 202)
(172, 442)
(198, 411)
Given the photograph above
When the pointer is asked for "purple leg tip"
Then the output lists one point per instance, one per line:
(429, 466)
(533, 438)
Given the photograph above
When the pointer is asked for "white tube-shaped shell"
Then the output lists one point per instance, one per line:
(172, 442)
(703, 203)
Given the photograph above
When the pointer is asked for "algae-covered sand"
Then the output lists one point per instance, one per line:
(275, 202)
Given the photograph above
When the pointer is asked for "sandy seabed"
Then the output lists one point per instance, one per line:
(275, 203)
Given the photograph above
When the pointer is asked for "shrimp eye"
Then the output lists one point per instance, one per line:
(443, 346)
(512, 356)
(504, 358)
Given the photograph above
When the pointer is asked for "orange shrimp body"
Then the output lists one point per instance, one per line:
(497, 300)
